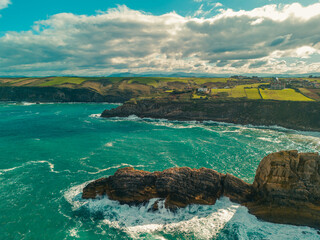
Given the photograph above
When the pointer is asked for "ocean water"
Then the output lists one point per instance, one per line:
(48, 153)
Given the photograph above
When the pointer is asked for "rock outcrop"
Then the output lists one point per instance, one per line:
(286, 188)
(60, 94)
(294, 115)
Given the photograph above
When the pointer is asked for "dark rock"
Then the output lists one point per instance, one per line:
(289, 114)
(286, 188)
(60, 94)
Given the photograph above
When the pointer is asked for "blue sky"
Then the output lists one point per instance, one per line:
(21, 14)
(99, 37)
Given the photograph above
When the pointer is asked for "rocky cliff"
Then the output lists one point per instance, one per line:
(294, 115)
(286, 188)
(59, 94)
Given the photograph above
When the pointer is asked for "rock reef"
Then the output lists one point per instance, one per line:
(286, 188)
(294, 115)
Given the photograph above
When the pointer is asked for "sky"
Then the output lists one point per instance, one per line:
(101, 37)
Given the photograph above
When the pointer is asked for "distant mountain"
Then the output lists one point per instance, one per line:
(207, 75)
(177, 74)
(183, 74)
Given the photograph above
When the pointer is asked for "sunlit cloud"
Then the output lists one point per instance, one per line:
(120, 40)
(4, 4)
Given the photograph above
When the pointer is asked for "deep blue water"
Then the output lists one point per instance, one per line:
(48, 152)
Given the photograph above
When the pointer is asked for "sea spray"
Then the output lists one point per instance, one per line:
(34, 193)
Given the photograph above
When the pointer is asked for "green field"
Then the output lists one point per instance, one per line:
(252, 93)
(311, 93)
(62, 80)
(148, 81)
(196, 96)
(177, 88)
(283, 95)
(158, 82)
(249, 91)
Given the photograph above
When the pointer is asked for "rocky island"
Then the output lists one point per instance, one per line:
(286, 188)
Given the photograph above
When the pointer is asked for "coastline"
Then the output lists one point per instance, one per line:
(301, 116)
(285, 188)
(59, 95)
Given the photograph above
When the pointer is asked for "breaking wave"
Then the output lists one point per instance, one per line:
(220, 221)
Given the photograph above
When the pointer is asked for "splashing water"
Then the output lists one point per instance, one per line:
(49, 152)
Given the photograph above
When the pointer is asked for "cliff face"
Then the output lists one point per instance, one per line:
(287, 185)
(56, 94)
(294, 115)
(286, 188)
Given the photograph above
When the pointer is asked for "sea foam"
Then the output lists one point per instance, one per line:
(193, 222)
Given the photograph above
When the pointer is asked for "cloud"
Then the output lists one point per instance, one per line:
(122, 39)
(206, 8)
(4, 4)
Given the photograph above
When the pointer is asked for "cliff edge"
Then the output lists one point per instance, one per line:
(286, 188)
(294, 115)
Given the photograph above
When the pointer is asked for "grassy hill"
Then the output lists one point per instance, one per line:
(173, 88)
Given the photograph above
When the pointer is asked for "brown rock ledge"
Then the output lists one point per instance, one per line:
(286, 188)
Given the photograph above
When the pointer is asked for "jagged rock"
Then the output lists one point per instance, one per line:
(286, 188)
(179, 186)
(289, 114)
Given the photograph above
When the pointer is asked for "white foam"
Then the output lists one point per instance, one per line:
(51, 166)
(194, 221)
(97, 115)
(109, 168)
(28, 103)
(109, 144)
(116, 167)
(269, 140)
(9, 169)
(73, 232)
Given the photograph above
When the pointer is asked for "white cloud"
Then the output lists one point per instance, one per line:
(4, 4)
(121, 39)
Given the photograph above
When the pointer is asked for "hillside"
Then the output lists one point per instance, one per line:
(121, 89)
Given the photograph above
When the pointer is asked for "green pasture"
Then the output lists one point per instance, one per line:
(62, 80)
(283, 95)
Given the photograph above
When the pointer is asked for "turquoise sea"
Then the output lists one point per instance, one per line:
(48, 152)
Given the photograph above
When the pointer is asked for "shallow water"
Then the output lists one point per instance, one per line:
(48, 152)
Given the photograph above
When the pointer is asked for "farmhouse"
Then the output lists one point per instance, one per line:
(276, 84)
(204, 90)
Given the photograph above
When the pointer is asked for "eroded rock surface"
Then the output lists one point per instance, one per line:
(289, 114)
(286, 188)
(179, 186)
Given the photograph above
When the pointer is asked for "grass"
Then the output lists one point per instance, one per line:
(156, 81)
(201, 81)
(18, 80)
(231, 92)
(252, 93)
(238, 92)
(221, 90)
(283, 95)
(311, 79)
(196, 96)
(62, 80)
(147, 81)
(249, 91)
(310, 93)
